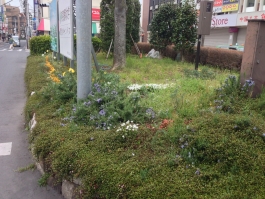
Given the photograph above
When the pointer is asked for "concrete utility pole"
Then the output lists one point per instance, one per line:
(27, 16)
(83, 32)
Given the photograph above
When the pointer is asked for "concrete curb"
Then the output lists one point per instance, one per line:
(66, 188)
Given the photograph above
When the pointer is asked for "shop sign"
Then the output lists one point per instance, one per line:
(217, 3)
(217, 9)
(230, 7)
(225, 2)
(225, 6)
(95, 14)
(242, 18)
(224, 20)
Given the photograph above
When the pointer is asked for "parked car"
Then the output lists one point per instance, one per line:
(16, 41)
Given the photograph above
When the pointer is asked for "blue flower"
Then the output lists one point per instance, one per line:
(102, 112)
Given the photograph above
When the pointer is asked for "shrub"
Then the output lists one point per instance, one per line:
(146, 47)
(224, 58)
(40, 44)
(143, 47)
(95, 41)
(216, 57)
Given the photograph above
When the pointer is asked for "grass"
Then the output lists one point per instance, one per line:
(27, 168)
(204, 152)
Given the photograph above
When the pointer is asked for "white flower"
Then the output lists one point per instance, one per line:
(54, 57)
(133, 154)
(123, 124)
(42, 55)
(128, 122)
(123, 136)
(32, 93)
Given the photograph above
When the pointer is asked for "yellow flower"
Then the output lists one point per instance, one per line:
(63, 73)
(47, 51)
(71, 70)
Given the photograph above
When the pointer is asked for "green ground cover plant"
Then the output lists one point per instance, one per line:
(176, 133)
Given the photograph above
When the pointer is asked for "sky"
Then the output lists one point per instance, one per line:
(16, 3)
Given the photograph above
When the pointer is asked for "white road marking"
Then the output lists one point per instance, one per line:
(3, 50)
(10, 50)
(5, 148)
(19, 50)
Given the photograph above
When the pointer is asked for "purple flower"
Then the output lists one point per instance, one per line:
(99, 100)
(249, 83)
(87, 103)
(150, 112)
(97, 86)
(102, 112)
(197, 172)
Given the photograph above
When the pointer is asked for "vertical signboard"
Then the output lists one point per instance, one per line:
(54, 25)
(35, 21)
(66, 28)
(1, 19)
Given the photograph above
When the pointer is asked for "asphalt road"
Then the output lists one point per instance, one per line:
(14, 147)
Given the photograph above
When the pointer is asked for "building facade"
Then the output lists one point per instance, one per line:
(42, 16)
(229, 20)
(12, 22)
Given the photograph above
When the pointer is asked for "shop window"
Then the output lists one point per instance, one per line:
(250, 3)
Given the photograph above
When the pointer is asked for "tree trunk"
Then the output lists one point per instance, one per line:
(120, 35)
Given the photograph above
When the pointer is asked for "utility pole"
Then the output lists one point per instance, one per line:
(27, 16)
(84, 44)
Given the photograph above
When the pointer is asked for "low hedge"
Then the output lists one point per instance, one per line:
(223, 58)
(39, 44)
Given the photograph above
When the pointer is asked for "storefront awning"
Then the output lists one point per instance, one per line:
(44, 25)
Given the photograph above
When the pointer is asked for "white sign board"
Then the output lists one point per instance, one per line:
(224, 20)
(66, 28)
(242, 18)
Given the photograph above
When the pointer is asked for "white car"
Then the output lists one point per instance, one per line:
(16, 41)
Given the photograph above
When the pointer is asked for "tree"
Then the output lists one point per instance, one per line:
(119, 60)
(185, 27)
(106, 23)
(133, 13)
(162, 27)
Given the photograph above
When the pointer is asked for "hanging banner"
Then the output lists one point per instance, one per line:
(66, 28)
(54, 25)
